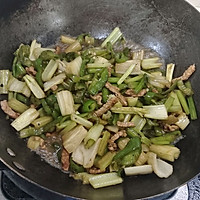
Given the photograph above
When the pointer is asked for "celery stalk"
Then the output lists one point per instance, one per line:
(67, 39)
(40, 122)
(54, 81)
(97, 65)
(65, 102)
(75, 46)
(151, 63)
(74, 66)
(129, 110)
(17, 105)
(73, 138)
(165, 152)
(4, 77)
(25, 119)
(15, 85)
(156, 112)
(34, 87)
(183, 101)
(136, 170)
(104, 180)
(81, 121)
(106, 160)
(49, 70)
(121, 68)
(93, 134)
(69, 126)
(113, 37)
(103, 144)
(126, 74)
(170, 71)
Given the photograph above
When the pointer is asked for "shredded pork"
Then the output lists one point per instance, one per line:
(169, 128)
(112, 146)
(31, 71)
(115, 90)
(109, 104)
(65, 160)
(95, 170)
(97, 98)
(8, 110)
(187, 73)
(125, 124)
(130, 92)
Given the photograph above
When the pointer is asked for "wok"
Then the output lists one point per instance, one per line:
(171, 28)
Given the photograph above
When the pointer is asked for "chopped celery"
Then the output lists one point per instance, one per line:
(183, 121)
(104, 180)
(65, 102)
(49, 70)
(132, 101)
(136, 170)
(93, 134)
(106, 160)
(129, 110)
(121, 68)
(74, 47)
(54, 81)
(34, 87)
(126, 74)
(97, 65)
(67, 39)
(40, 122)
(183, 101)
(84, 156)
(74, 66)
(156, 112)
(113, 37)
(165, 152)
(4, 77)
(139, 122)
(103, 144)
(81, 121)
(15, 85)
(17, 105)
(170, 71)
(73, 138)
(151, 63)
(169, 102)
(34, 142)
(191, 104)
(161, 168)
(69, 125)
(25, 119)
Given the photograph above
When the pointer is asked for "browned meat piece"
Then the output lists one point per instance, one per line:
(112, 146)
(8, 110)
(115, 90)
(109, 104)
(125, 124)
(188, 72)
(54, 87)
(31, 71)
(130, 92)
(97, 98)
(65, 160)
(109, 70)
(170, 128)
(58, 50)
(95, 170)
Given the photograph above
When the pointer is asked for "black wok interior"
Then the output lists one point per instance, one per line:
(171, 28)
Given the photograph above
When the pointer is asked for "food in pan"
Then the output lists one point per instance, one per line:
(98, 109)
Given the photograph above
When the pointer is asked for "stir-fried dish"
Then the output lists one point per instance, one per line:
(102, 109)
